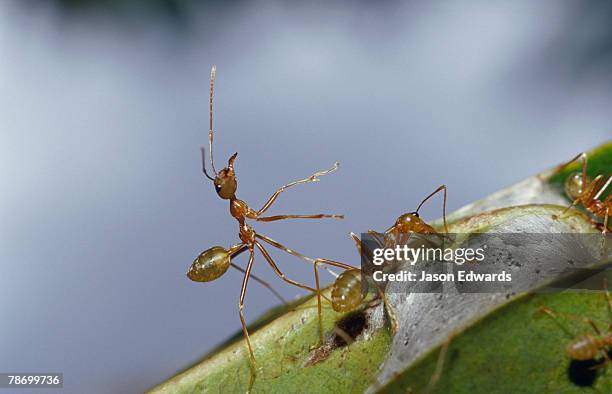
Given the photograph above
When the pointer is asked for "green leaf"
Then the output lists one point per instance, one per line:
(515, 349)
(599, 163)
(282, 348)
(497, 340)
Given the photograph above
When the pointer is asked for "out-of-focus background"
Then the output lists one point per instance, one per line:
(103, 108)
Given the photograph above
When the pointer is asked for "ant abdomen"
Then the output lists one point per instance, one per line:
(209, 265)
(347, 292)
(574, 185)
(585, 347)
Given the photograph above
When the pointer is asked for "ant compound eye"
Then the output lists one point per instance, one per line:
(347, 292)
(209, 265)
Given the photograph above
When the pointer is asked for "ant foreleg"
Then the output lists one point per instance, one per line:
(581, 156)
(593, 325)
(564, 212)
(313, 178)
(556, 318)
(381, 293)
(389, 309)
(375, 235)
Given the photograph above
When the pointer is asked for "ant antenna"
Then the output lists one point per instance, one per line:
(204, 164)
(440, 188)
(213, 72)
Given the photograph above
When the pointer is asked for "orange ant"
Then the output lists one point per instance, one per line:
(347, 291)
(582, 190)
(214, 262)
(585, 349)
(411, 223)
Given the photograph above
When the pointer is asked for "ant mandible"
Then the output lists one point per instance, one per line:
(582, 190)
(214, 262)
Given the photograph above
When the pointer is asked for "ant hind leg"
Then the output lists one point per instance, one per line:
(245, 331)
(262, 282)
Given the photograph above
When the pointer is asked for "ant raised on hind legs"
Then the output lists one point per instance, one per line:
(582, 190)
(214, 262)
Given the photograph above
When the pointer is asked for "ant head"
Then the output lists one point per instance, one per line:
(225, 181)
(407, 222)
(574, 187)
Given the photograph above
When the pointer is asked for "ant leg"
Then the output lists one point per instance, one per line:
(440, 188)
(608, 301)
(439, 365)
(319, 304)
(283, 217)
(316, 272)
(389, 309)
(555, 318)
(290, 281)
(262, 282)
(290, 251)
(278, 271)
(581, 156)
(603, 188)
(286, 249)
(576, 201)
(245, 332)
(375, 235)
(313, 178)
(593, 325)
(381, 293)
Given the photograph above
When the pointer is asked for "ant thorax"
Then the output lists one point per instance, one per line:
(238, 208)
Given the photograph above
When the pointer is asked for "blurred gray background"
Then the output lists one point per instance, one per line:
(103, 107)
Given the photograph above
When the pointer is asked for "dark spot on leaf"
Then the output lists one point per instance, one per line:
(345, 332)
(349, 328)
(583, 372)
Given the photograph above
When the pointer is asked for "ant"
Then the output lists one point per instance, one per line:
(214, 262)
(411, 223)
(347, 291)
(585, 349)
(582, 190)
